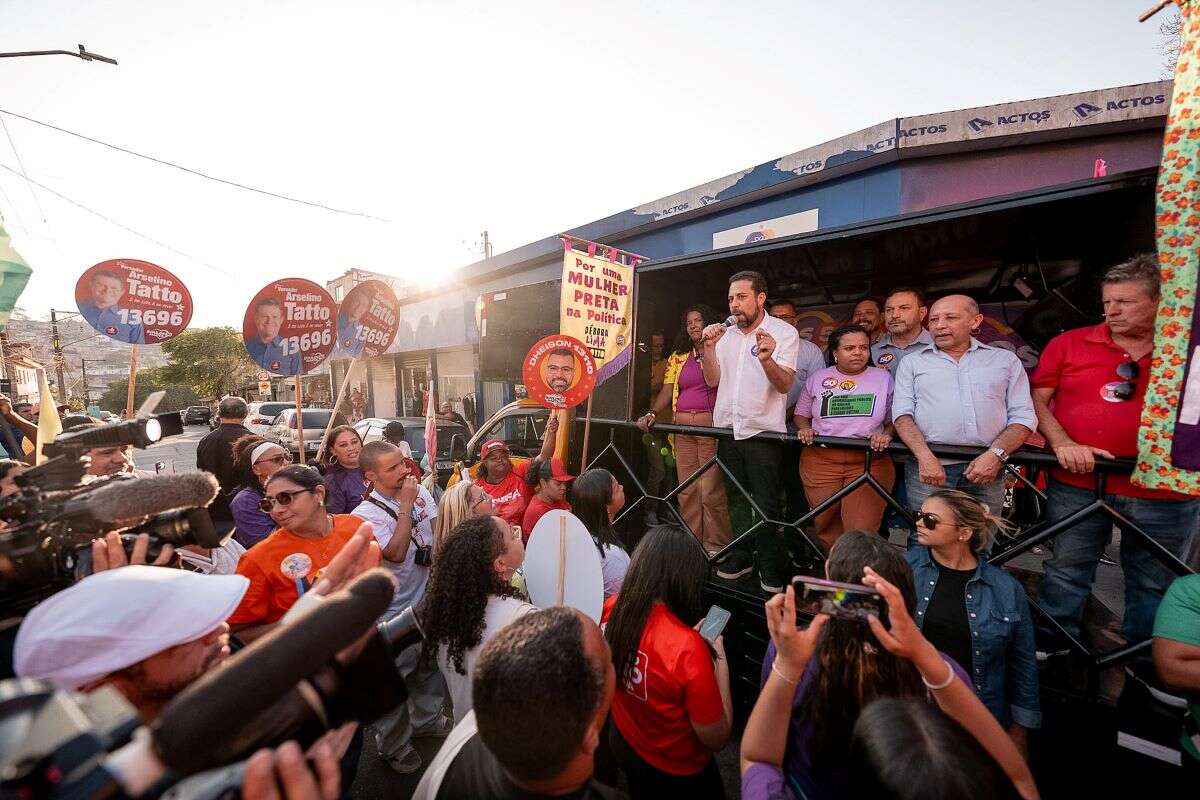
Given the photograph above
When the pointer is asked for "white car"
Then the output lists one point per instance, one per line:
(261, 414)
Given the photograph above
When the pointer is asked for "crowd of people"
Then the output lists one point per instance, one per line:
(548, 702)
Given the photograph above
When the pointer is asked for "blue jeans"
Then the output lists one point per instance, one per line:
(1077, 550)
(990, 494)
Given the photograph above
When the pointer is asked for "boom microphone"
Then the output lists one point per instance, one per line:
(133, 498)
(220, 714)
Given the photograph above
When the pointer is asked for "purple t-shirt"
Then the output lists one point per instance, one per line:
(831, 781)
(694, 393)
(854, 406)
(344, 489)
(252, 524)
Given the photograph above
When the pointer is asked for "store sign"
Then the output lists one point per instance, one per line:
(802, 222)
(133, 301)
(368, 320)
(289, 326)
(559, 372)
(595, 308)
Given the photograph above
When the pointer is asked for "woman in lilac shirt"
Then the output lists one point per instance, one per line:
(345, 486)
(257, 460)
(849, 398)
(702, 504)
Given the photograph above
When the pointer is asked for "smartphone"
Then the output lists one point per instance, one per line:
(714, 622)
(840, 600)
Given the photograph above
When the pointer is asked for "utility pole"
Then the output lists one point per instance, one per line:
(487, 246)
(87, 397)
(56, 341)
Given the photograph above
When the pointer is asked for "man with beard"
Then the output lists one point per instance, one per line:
(266, 347)
(149, 632)
(752, 366)
(868, 315)
(560, 370)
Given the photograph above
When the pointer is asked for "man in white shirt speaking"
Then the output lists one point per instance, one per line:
(752, 365)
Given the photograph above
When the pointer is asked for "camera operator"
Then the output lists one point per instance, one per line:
(15, 429)
(147, 632)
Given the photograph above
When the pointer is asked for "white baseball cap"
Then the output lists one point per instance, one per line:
(114, 619)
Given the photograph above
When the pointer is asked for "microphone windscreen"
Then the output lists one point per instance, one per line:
(229, 699)
(139, 497)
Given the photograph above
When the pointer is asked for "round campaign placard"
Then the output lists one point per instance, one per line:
(559, 372)
(133, 301)
(368, 320)
(561, 552)
(289, 326)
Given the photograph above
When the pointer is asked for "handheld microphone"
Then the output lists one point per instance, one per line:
(223, 716)
(728, 322)
(133, 498)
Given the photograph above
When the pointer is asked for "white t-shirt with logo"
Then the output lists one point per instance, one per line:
(410, 578)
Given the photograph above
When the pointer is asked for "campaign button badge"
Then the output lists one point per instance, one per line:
(296, 566)
(829, 383)
(847, 384)
(886, 359)
(111, 330)
(275, 366)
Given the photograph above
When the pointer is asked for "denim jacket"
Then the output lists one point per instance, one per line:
(1004, 662)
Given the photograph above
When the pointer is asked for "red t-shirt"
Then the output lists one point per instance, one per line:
(1081, 367)
(673, 685)
(511, 495)
(536, 510)
(284, 564)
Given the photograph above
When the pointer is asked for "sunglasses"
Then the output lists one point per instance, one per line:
(1128, 370)
(279, 459)
(924, 518)
(283, 498)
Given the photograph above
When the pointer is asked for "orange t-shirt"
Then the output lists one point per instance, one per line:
(283, 566)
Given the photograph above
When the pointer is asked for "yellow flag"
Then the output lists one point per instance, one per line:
(49, 425)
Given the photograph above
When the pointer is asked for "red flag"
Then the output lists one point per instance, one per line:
(567, 243)
(591, 249)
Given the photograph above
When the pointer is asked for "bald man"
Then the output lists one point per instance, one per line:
(959, 391)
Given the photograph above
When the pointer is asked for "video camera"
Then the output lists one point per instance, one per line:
(53, 517)
(303, 679)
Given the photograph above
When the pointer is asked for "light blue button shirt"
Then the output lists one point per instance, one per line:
(888, 356)
(963, 402)
(108, 321)
(809, 359)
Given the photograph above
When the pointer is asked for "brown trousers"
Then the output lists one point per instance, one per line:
(825, 470)
(702, 504)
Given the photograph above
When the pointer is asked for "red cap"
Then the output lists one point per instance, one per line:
(490, 445)
(554, 469)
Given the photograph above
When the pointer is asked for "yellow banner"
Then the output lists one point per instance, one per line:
(597, 308)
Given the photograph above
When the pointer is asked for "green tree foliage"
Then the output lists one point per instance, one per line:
(212, 361)
(148, 380)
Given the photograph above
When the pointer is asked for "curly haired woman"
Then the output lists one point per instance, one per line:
(469, 599)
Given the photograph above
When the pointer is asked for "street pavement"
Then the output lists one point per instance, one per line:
(177, 453)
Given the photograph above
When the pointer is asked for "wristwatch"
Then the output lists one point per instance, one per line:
(999, 453)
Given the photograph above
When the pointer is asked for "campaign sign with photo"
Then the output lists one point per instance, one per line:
(133, 301)
(289, 326)
(367, 320)
(559, 372)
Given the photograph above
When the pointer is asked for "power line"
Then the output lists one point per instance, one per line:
(23, 173)
(123, 227)
(190, 171)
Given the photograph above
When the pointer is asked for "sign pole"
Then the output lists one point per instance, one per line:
(132, 381)
(587, 431)
(299, 418)
(337, 405)
(562, 559)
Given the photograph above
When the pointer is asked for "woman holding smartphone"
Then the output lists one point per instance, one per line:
(672, 708)
(848, 669)
(976, 613)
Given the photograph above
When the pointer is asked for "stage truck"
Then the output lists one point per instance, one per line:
(1032, 258)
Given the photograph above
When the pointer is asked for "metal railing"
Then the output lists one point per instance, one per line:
(1041, 532)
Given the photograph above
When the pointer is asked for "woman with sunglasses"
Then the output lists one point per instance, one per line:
(288, 562)
(469, 598)
(344, 482)
(976, 613)
(255, 460)
(462, 501)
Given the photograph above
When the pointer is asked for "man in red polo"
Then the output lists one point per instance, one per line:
(1087, 391)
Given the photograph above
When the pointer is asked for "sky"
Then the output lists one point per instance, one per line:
(446, 118)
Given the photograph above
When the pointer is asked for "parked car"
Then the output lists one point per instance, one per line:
(371, 430)
(282, 429)
(196, 415)
(261, 414)
(521, 425)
